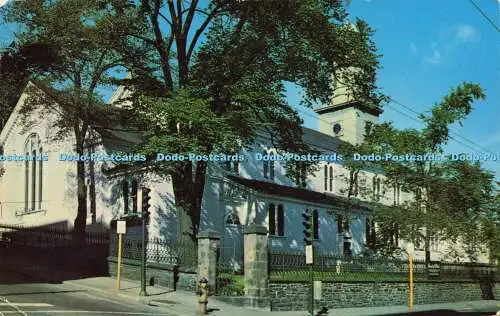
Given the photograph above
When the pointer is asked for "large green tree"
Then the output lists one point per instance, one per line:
(449, 195)
(215, 74)
(79, 60)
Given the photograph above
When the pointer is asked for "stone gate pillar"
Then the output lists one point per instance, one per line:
(256, 269)
(208, 243)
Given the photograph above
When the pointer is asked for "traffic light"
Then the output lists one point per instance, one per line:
(146, 197)
(308, 227)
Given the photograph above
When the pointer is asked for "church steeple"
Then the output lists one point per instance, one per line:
(345, 117)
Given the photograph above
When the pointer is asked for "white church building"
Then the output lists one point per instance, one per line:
(43, 192)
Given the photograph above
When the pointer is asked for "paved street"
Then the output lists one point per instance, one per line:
(21, 294)
(21, 297)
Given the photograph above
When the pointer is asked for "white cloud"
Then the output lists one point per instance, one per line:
(414, 49)
(435, 57)
(465, 32)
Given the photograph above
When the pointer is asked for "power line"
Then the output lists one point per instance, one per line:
(419, 121)
(451, 131)
(485, 15)
(408, 116)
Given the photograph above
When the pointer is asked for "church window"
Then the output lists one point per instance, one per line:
(281, 220)
(269, 166)
(265, 166)
(397, 191)
(370, 233)
(326, 177)
(40, 177)
(331, 179)
(33, 178)
(134, 196)
(301, 174)
(26, 182)
(316, 224)
(125, 196)
(272, 219)
(276, 220)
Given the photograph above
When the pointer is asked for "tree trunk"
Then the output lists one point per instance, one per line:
(81, 216)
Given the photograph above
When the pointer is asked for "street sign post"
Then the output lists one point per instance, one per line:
(121, 228)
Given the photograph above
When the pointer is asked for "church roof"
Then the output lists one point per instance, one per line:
(320, 140)
(300, 193)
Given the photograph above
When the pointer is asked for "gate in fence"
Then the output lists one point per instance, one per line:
(230, 278)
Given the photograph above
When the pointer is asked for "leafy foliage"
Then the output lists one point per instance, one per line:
(212, 74)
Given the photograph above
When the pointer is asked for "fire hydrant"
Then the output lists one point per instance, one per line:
(203, 293)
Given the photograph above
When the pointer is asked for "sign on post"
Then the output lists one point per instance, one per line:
(434, 269)
(121, 228)
(309, 254)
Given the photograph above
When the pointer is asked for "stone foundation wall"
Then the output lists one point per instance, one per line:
(294, 295)
(156, 274)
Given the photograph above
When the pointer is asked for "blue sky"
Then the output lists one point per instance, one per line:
(428, 47)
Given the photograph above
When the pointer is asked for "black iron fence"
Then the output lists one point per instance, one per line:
(47, 237)
(289, 266)
(53, 249)
(158, 250)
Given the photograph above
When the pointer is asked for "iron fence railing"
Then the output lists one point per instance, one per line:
(12, 236)
(292, 266)
(158, 250)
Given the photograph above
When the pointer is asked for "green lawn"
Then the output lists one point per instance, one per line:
(234, 283)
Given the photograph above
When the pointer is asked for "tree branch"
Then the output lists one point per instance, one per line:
(164, 54)
(202, 28)
(179, 15)
(189, 19)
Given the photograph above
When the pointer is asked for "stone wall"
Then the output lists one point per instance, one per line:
(156, 274)
(294, 295)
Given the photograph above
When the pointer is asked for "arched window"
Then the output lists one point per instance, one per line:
(331, 179)
(33, 181)
(26, 182)
(265, 165)
(326, 177)
(272, 219)
(33, 178)
(130, 192)
(40, 178)
(370, 233)
(281, 220)
(276, 220)
(134, 196)
(316, 224)
(271, 168)
(125, 196)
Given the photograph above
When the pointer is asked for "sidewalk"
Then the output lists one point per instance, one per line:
(181, 303)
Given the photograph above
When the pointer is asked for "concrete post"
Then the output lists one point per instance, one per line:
(256, 268)
(208, 243)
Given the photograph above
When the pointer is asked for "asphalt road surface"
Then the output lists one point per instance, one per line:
(21, 295)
